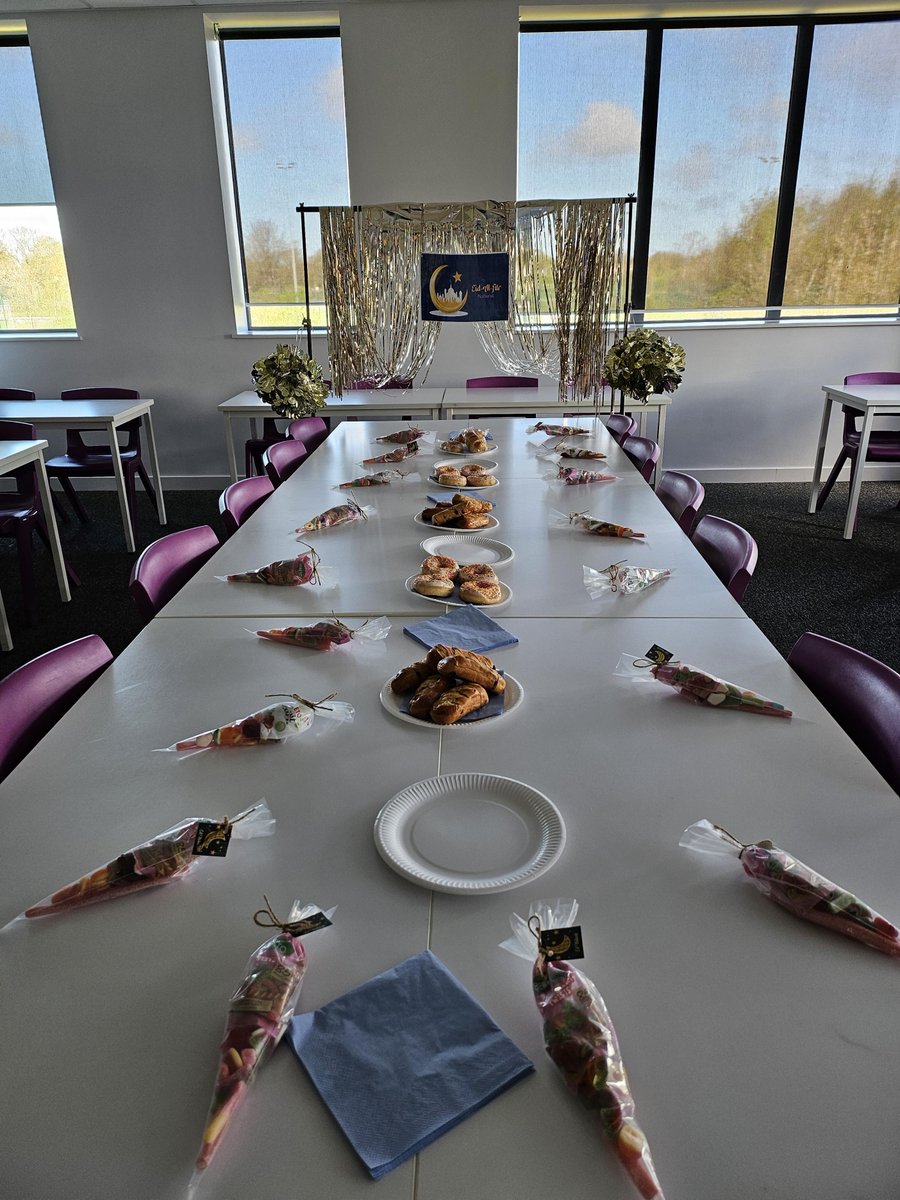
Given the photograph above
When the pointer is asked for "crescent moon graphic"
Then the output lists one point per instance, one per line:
(444, 306)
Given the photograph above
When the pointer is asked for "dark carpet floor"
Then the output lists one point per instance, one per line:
(808, 577)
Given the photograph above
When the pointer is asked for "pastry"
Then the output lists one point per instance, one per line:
(458, 702)
(445, 515)
(473, 521)
(471, 469)
(482, 479)
(481, 571)
(426, 694)
(432, 585)
(473, 668)
(440, 564)
(450, 478)
(471, 504)
(476, 592)
(411, 676)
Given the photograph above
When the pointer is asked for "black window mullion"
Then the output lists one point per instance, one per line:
(647, 163)
(790, 166)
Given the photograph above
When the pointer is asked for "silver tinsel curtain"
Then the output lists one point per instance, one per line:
(567, 286)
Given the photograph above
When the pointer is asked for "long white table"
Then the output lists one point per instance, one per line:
(759, 1047)
(874, 400)
(107, 415)
(12, 456)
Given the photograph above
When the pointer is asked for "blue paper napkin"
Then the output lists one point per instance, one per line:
(403, 1059)
(468, 627)
(445, 496)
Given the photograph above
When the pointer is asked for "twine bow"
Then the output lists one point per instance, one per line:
(294, 928)
(313, 704)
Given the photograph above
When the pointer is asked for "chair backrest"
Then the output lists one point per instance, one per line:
(34, 697)
(241, 499)
(643, 452)
(850, 414)
(311, 431)
(17, 431)
(166, 565)
(26, 476)
(502, 381)
(729, 549)
(283, 459)
(75, 444)
(16, 394)
(621, 425)
(861, 693)
(682, 495)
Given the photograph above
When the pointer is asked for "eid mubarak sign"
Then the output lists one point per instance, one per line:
(465, 287)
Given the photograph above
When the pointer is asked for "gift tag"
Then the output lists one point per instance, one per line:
(310, 924)
(212, 838)
(562, 943)
(656, 654)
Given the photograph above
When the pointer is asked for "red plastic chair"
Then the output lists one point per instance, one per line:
(96, 461)
(884, 444)
(240, 500)
(861, 693)
(502, 381)
(34, 697)
(729, 549)
(311, 431)
(166, 565)
(283, 459)
(16, 394)
(682, 495)
(621, 426)
(643, 452)
(21, 514)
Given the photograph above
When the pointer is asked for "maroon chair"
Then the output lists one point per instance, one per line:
(16, 394)
(166, 565)
(643, 452)
(884, 444)
(861, 693)
(621, 425)
(21, 514)
(96, 461)
(255, 448)
(283, 459)
(682, 495)
(34, 697)
(311, 431)
(240, 500)
(729, 550)
(502, 381)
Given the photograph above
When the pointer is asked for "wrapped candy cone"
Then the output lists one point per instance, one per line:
(379, 479)
(575, 452)
(557, 430)
(589, 524)
(325, 635)
(622, 579)
(275, 723)
(797, 887)
(392, 456)
(340, 514)
(287, 572)
(719, 693)
(259, 1012)
(167, 856)
(403, 436)
(572, 475)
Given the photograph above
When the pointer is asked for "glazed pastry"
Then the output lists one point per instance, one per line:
(432, 585)
(474, 521)
(482, 480)
(426, 695)
(451, 478)
(473, 668)
(472, 469)
(471, 504)
(481, 571)
(476, 592)
(458, 702)
(411, 676)
(445, 515)
(440, 564)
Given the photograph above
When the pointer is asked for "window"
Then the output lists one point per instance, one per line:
(765, 156)
(284, 94)
(34, 286)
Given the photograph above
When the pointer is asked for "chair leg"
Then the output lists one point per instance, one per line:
(148, 485)
(72, 495)
(43, 534)
(26, 568)
(59, 508)
(829, 483)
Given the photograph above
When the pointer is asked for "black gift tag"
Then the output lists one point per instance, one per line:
(562, 943)
(657, 654)
(310, 924)
(212, 838)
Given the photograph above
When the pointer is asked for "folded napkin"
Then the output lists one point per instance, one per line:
(404, 1058)
(468, 627)
(443, 497)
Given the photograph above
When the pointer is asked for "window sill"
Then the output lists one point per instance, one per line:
(49, 335)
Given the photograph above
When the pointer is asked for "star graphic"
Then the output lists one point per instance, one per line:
(457, 278)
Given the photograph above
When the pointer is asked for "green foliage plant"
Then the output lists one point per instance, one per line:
(290, 382)
(643, 362)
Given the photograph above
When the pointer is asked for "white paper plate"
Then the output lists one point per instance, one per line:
(512, 698)
(492, 447)
(461, 487)
(453, 599)
(493, 523)
(470, 833)
(486, 464)
(473, 549)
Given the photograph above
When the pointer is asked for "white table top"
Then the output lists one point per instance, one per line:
(14, 454)
(370, 561)
(73, 412)
(882, 396)
(539, 399)
(249, 404)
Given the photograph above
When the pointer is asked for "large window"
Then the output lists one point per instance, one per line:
(284, 95)
(765, 156)
(34, 287)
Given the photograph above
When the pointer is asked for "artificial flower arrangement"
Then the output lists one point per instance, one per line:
(643, 362)
(290, 382)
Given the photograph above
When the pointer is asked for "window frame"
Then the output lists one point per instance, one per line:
(655, 28)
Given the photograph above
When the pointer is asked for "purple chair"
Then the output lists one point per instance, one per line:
(621, 425)
(730, 551)
(682, 495)
(283, 459)
(241, 499)
(643, 452)
(16, 394)
(34, 697)
(861, 693)
(21, 514)
(166, 565)
(884, 444)
(311, 431)
(502, 381)
(255, 448)
(93, 461)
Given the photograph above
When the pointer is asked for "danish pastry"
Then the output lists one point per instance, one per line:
(479, 592)
(440, 564)
(432, 585)
(483, 571)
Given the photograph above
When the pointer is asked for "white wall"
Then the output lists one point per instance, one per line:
(128, 115)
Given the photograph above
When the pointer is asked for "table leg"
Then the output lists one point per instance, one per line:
(229, 443)
(858, 468)
(820, 454)
(154, 466)
(120, 488)
(52, 529)
(5, 635)
(661, 442)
